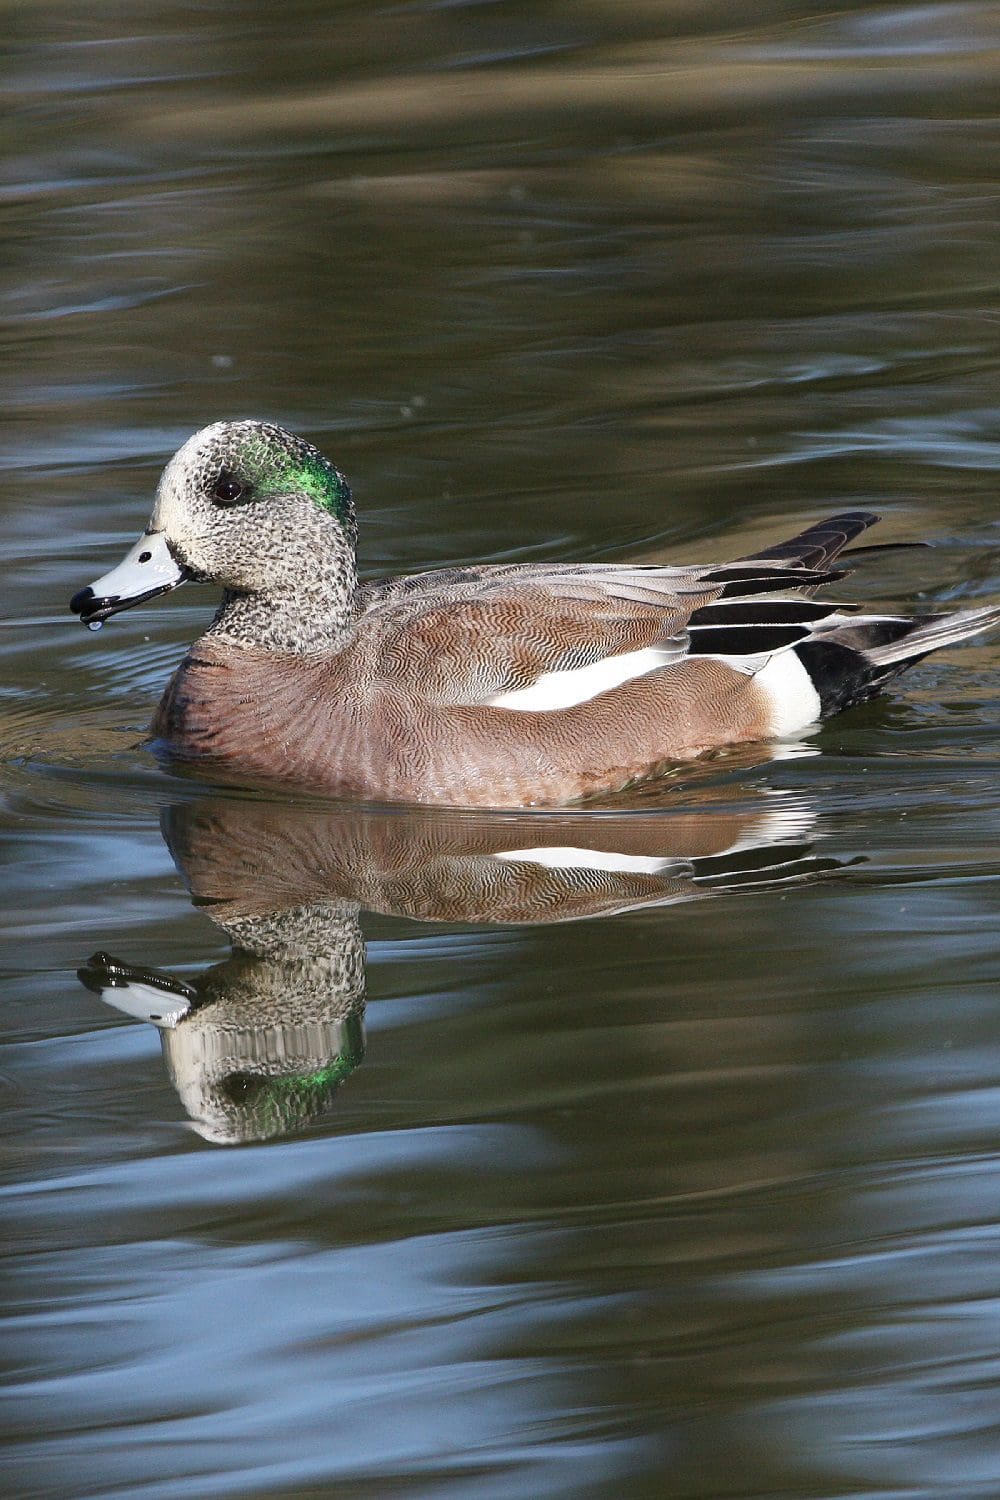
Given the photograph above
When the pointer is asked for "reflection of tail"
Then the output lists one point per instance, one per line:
(782, 864)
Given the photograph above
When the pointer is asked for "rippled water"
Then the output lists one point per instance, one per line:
(662, 1167)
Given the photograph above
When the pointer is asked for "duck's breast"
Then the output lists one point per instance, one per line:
(275, 717)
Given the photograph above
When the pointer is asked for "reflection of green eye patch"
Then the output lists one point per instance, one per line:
(338, 1068)
(278, 1104)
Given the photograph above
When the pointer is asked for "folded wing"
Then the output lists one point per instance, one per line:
(543, 637)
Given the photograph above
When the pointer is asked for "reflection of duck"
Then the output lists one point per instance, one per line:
(260, 1043)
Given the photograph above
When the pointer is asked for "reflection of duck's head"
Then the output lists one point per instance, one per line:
(259, 1044)
(241, 1079)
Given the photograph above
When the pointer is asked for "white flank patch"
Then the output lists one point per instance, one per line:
(794, 701)
(564, 689)
(569, 858)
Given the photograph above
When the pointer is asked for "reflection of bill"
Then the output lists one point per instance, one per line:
(258, 1045)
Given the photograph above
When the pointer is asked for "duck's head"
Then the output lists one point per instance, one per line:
(247, 505)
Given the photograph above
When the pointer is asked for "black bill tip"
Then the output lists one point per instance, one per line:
(93, 609)
(103, 972)
(86, 604)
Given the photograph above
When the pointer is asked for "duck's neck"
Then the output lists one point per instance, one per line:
(313, 619)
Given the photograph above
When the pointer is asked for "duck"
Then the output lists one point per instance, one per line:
(494, 685)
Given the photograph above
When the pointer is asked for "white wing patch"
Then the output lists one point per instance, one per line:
(564, 689)
(794, 701)
(570, 858)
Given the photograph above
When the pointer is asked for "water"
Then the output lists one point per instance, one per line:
(665, 1168)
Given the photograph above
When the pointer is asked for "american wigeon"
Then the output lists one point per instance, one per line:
(504, 685)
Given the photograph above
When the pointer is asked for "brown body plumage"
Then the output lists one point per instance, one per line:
(338, 727)
(489, 686)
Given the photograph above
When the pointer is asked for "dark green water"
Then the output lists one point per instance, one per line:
(678, 1183)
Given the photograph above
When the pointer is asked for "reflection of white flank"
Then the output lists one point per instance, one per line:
(792, 749)
(563, 689)
(785, 823)
(569, 858)
(787, 819)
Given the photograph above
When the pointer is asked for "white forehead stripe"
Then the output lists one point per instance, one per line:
(171, 509)
(564, 689)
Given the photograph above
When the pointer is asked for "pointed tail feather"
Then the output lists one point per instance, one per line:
(855, 660)
(872, 547)
(928, 634)
(821, 543)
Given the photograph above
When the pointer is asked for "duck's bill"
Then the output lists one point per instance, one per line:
(147, 994)
(148, 570)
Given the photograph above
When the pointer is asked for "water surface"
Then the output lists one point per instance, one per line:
(466, 1173)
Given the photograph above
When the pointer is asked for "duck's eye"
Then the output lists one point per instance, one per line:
(229, 490)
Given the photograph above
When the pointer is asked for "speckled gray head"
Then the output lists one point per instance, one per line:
(247, 505)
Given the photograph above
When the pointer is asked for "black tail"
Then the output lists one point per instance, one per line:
(800, 565)
(856, 660)
(819, 545)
